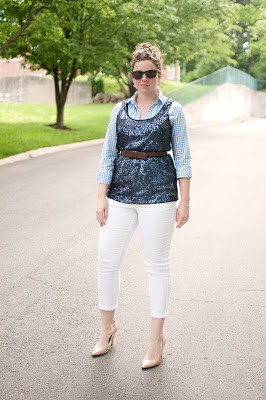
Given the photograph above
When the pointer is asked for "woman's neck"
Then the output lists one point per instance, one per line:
(148, 98)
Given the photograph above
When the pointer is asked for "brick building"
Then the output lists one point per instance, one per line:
(13, 67)
(172, 72)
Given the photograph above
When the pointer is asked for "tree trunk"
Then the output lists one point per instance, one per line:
(60, 97)
(122, 88)
(131, 88)
(60, 116)
(184, 68)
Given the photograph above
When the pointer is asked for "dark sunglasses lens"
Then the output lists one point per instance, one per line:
(137, 74)
(151, 74)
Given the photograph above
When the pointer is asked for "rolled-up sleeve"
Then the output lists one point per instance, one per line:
(180, 141)
(109, 151)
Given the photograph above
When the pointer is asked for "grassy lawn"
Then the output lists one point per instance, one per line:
(191, 92)
(166, 86)
(110, 85)
(25, 126)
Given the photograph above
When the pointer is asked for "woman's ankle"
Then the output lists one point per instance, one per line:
(107, 326)
(156, 337)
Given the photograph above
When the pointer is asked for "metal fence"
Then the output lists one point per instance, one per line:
(200, 87)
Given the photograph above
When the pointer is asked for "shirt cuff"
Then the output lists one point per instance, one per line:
(184, 171)
(103, 178)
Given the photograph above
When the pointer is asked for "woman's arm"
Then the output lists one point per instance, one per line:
(182, 213)
(104, 174)
(182, 159)
(180, 141)
(109, 151)
(184, 185)
(102, 206)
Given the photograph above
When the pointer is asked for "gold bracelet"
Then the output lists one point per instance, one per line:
(184, 204)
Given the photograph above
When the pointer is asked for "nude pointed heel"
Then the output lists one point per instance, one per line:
(146, 363)
(112, 338)
(99, 351)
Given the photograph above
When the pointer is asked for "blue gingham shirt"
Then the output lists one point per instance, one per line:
(180, 139)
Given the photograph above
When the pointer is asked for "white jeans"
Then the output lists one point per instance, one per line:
(156, 224)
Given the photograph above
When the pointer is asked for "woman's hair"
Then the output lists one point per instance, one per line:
(146, 51)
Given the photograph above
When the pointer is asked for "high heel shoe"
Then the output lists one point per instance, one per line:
(99, 351)
(146, 363)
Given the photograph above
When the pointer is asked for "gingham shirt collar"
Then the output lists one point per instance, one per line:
(160, 99)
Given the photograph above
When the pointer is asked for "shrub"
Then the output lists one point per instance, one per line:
(97, 85)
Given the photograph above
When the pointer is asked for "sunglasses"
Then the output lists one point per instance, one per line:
(150, 74)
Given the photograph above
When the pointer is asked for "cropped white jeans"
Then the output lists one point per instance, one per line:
(156, 225)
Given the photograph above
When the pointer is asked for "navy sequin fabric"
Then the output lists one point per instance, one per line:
(147, 181)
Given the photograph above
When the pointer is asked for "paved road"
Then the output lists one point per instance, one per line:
(216, 328)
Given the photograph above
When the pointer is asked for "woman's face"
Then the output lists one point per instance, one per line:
(146, 85)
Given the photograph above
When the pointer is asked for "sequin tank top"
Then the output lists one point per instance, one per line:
(147, 181)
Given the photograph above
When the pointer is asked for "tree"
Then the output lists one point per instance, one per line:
(68, 38)
(245, 16)
(145, 20)
(186, 30)
(248, 36)
(257, 45)
(207, 45)
(15, 17)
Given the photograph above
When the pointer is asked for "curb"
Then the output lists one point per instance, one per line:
(48, 150)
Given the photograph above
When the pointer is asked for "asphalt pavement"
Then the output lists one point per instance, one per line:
(216, 325)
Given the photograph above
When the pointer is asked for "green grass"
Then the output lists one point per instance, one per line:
(111, 85)
(191, 92)
(25, 126)
(166, 86)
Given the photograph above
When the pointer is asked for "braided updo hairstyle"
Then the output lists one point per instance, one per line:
(146, 51)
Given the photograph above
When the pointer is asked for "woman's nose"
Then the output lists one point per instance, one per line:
(144, 77)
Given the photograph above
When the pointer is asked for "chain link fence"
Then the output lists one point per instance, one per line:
(202, 86)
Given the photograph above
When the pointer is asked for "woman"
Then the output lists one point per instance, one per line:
(138, 186)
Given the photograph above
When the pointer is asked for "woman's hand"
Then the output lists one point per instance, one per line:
(182, 215)
(102, 210)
